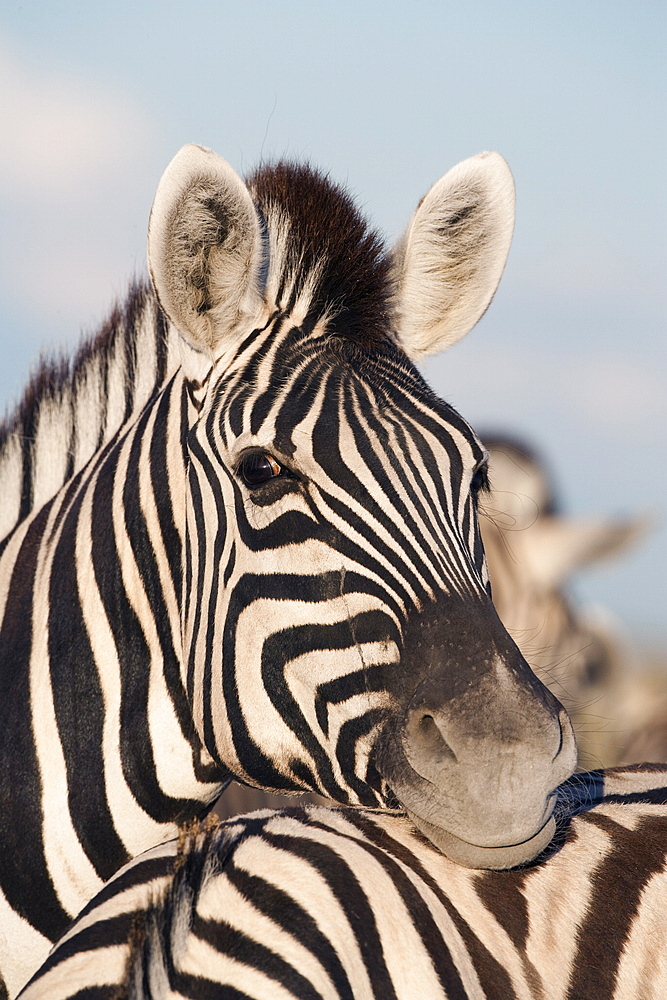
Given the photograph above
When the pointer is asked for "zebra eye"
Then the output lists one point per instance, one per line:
(258, 468)
(480, 480)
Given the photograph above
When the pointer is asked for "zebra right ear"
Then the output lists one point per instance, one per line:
(448, 265)
(204, 248)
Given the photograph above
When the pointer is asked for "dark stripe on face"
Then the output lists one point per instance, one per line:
(407, 508)
(417, 490)
(361, 405)
(416, 419)
(288, 645)
(429, 507)
(316, 589)
(351, 733)
(237, 390)
(295, 527)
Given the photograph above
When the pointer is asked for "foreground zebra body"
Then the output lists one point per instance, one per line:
(245, 543)
(321, 902)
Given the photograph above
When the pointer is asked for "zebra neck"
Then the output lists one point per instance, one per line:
(101, 757)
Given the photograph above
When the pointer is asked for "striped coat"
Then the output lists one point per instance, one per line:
(341, 903)
(532, 550)
(242, 541)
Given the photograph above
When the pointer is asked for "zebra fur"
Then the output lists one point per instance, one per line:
(532, 549)
(72, 408)
(319, 902)
(260, 556)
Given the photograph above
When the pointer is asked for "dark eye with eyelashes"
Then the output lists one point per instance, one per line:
(259, 467)
(480, 480)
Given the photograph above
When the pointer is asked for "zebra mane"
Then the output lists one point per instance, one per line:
(321, 247)
(159, 933)
(72, 406)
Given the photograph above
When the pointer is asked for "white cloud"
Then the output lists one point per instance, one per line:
(75, 183)
(58, 133)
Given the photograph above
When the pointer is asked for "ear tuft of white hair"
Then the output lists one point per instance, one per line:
(204, 247)
(448, 264)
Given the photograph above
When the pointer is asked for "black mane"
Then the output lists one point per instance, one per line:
(329, 232)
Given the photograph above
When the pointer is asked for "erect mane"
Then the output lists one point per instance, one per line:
(329, 251)
(323, 252)
(72, 406)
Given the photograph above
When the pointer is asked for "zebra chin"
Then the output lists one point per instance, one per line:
(484, 834)
(477, 856)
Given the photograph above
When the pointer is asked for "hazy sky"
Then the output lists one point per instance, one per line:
(96, 98)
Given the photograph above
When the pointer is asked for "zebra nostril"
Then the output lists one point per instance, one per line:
(431, 739)
(566, 752)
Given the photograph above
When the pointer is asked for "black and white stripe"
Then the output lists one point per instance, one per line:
(319, 902)
(244, 542)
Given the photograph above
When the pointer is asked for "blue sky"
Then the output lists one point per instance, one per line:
(95, 100)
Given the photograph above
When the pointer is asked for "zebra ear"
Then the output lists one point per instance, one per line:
(449, 262)
(204, 248)
(556, 547)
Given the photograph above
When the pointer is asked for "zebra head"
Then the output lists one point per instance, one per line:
(338, 630)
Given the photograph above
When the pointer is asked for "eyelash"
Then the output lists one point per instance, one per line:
(480, 480)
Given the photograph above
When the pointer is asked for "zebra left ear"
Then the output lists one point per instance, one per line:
(556, 547)
(204, 248)
(449, 262)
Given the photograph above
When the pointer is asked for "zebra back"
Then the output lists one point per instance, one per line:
(321, 902)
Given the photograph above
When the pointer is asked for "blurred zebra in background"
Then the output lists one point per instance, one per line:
(533, 551)
(329, 903)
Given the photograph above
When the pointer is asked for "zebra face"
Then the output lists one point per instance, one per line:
(338, 633)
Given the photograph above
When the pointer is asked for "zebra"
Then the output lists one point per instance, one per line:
(241, 540)
(317, 902)
(532, 548)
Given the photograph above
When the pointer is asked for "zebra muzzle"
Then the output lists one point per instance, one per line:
(476, 767)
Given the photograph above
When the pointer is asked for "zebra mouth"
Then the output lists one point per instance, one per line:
(475, 856)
